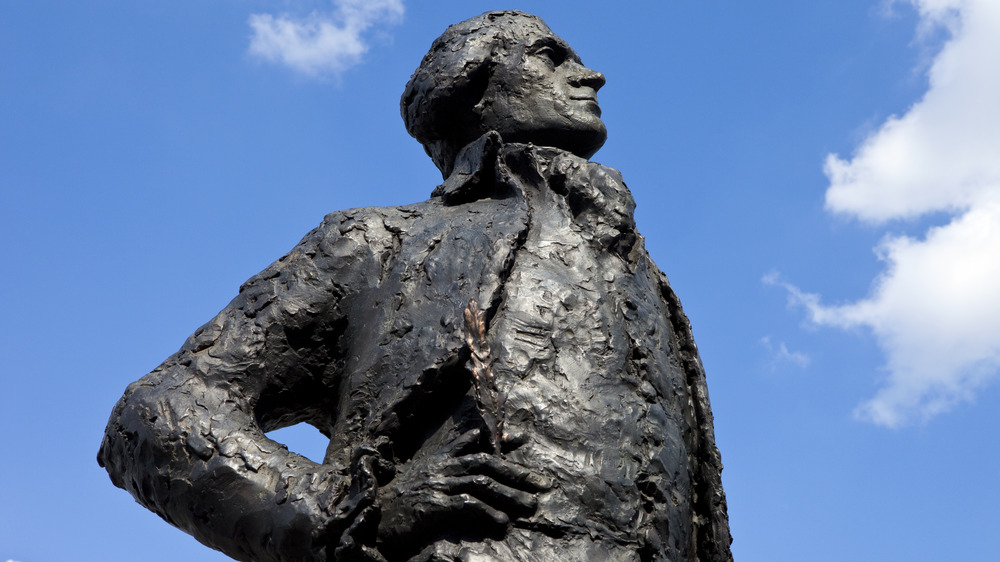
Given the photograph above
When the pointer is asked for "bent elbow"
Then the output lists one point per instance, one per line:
(140, 443)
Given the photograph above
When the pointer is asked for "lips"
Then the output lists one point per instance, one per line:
(591, 101)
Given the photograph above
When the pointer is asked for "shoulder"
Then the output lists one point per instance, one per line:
(372, 223)
(380, 227)
(347, 243)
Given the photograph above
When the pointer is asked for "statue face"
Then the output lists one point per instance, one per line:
(541, 93)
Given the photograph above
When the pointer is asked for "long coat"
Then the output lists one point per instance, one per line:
(359, 332)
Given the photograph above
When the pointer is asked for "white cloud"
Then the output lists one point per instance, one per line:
(321, 43)
(781, 354)
(935, 309)
(941, 155)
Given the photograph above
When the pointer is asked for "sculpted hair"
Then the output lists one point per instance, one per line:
(441, 105)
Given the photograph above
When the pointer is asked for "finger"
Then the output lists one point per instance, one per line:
(497, 468)
(510, 500)
(465, 443)
(432, 510)
(474, 510)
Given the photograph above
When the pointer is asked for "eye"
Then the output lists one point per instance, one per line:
(554, 54)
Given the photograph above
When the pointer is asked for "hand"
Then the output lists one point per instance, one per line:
(464, 495)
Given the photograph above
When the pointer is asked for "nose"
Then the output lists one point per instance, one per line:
(588, 77)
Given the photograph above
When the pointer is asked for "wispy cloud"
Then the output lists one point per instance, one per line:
(780, 353)
(935, 309)
(322, 44)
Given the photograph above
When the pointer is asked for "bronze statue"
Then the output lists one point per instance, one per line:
(562, 414)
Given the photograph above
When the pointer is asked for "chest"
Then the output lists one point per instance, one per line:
(582, 341)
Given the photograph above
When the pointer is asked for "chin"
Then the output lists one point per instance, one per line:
(582, 139)
(586, 143)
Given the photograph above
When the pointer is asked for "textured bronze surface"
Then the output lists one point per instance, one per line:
(561, 415)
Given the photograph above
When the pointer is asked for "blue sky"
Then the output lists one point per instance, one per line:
(819, 180)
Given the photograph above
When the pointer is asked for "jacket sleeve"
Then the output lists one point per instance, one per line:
(187, 440)
(712, 538)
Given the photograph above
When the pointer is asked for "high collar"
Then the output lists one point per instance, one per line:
(489, 167)
(596, 196)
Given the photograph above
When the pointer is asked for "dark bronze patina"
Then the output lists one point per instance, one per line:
(562, 415)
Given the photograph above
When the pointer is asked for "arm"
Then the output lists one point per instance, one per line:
(712, 537)
(187, 440)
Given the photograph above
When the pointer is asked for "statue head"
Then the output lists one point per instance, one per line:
(506, 72)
